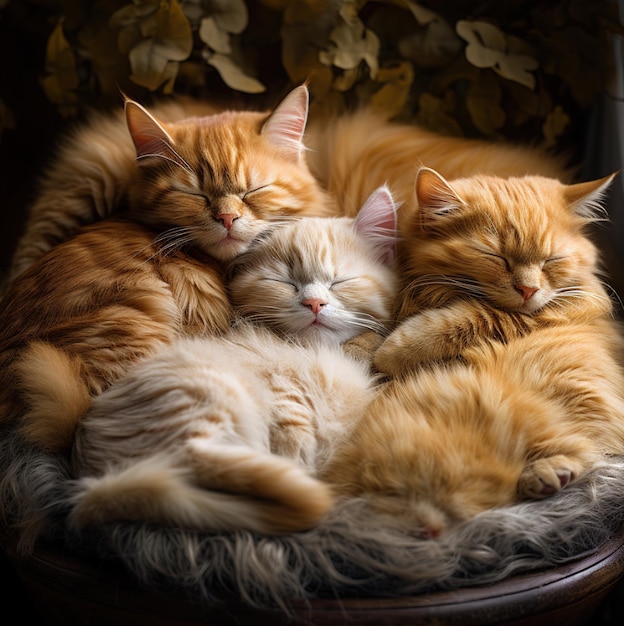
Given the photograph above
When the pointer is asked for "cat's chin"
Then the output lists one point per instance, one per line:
(227, 249)
(321, 334)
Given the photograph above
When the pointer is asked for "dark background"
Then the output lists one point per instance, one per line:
(27, 142)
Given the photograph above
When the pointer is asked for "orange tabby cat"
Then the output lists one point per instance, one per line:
(96, 166)
(204, 188)
(508, 364)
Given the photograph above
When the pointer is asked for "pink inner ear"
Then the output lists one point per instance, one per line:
(287, 123)
(149, 137)
(376, 221)
(434, 194)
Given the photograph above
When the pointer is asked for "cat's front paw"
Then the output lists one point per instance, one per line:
(363, 346)
(545, 477)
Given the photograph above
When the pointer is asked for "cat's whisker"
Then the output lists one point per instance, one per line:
(614, 294)
(578, 292)
(178, 161)
(441, 280)
(368, 322)
(174, 239)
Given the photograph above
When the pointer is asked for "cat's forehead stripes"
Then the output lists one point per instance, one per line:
(519, 214)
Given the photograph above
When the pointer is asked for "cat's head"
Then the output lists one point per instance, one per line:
(321, 279)
(215, 182)
(518, 243)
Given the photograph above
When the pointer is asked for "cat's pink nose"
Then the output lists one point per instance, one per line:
(228, 219)
(526, 292)
(314, 304)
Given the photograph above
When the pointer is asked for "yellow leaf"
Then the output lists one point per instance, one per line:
(230, 16)
(486, 42)
(352, 43)
(489, 47)
(62, 77)
(216, 39)
(148, 64)
(392, 96)
(109, 65)
(305, 31)
(154, 60)
(555, 124)
(435, 44)
(173, 32)
(233, 76)
(346, 79)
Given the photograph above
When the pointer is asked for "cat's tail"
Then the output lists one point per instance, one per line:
(54, 394)
(231, 488)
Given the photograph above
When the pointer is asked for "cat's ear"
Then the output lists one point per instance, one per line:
(435, 196)
(586, 199)
(376, 222)
(286, 125)
(148, 135)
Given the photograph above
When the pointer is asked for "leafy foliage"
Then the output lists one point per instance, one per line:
(493, 69)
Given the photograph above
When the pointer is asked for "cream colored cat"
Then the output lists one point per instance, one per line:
(203, 189)
(507, 366)
(228, 433)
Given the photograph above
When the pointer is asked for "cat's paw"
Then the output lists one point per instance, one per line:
(545, 477)
(364, 346)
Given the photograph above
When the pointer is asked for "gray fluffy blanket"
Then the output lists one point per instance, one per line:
(353, 552)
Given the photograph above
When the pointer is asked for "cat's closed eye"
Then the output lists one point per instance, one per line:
(280, 281)
(341, 281)
(553, 259)
(250, 192)
(499, 259)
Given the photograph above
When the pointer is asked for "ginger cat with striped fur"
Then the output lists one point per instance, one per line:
(229, 432)
(507, 377)
(76, 319)
(95, 168)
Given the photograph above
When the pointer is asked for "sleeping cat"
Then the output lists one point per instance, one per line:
(508, 379)
(229, 156)
(204, 188)
(228, 432)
